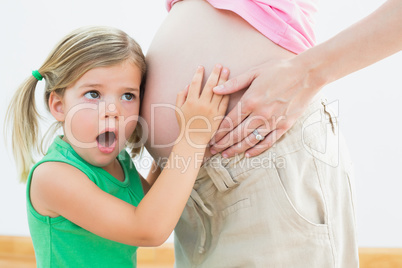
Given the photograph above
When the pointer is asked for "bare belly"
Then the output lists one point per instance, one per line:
(194, 33)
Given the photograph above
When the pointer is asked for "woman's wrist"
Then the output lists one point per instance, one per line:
(313, 68)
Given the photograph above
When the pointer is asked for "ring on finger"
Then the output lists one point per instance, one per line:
(257, 135)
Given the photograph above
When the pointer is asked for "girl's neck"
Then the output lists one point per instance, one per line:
(116, 170)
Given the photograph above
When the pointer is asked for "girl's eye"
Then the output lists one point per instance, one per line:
(92, 95)
(128, 96)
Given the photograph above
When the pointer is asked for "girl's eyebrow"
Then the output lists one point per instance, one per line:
(90, 85)
(99, 86)
(132, 89)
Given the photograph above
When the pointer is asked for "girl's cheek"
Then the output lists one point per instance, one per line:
(84, 125)
(129, 120)
(129, 128)
(132, 108)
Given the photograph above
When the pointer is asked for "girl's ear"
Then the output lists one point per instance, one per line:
(56, 106)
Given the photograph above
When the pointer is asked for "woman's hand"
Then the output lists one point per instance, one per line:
(199, 113)
(278, 93)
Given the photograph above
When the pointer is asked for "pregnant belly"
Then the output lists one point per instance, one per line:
(194, 33)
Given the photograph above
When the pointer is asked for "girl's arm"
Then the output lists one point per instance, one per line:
(153, 174)
(72, 195)
(283, 89)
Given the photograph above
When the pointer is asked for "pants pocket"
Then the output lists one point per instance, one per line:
(299, 190)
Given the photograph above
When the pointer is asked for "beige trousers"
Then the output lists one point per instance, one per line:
(291, 206)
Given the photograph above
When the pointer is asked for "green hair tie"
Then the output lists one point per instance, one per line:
(37, 75)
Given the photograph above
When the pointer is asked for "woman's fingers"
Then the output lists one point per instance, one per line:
(231, 121)
(265, 144)
(252, 140)
(230, 139)
(241, 135)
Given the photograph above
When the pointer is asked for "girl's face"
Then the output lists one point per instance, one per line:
(101, 112)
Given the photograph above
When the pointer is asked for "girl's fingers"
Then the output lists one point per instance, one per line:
(195, 86)
(224, 76)
(237, 83)
(212, 81)
(216, 99)
(223, 105)
(181, 97)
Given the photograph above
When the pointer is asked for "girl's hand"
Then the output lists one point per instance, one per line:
(199, 113)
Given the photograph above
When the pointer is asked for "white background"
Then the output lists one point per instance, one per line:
(369, 100)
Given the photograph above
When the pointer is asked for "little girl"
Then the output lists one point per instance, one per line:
(85, 199)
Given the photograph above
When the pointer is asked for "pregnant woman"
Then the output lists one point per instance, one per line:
(290, 206)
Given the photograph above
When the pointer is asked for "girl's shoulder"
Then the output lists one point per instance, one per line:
(48, 184)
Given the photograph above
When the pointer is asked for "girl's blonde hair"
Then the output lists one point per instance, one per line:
(80, 51)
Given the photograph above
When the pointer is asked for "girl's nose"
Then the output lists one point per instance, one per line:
(111, 107)
(112, 110)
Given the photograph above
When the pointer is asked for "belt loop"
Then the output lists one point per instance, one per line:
(324, 103)
(197, 199)
(220, 176)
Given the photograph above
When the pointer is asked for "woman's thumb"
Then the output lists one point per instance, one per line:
(235, 84)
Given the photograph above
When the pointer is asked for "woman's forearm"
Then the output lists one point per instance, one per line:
(375, 37)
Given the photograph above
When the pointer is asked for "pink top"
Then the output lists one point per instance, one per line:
(288, 23)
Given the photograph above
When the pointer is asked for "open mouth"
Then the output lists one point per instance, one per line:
(106, 141)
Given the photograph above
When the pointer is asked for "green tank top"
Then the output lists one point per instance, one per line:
(60, 243)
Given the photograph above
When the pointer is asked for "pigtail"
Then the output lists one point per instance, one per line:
(22, 117)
